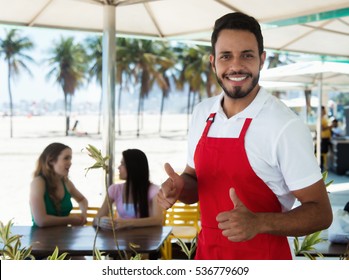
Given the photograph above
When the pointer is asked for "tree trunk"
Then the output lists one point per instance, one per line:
(161, 111)
(66, 114)
(192, 105)
(119, 108)
(139, 113)
(188, 108)
(100, 114)
(10, 98)
(307, 94)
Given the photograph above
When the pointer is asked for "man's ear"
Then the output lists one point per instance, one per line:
(263, 57)
(212, 62)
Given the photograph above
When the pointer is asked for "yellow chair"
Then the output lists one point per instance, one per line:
(91, 213)
(185, 222)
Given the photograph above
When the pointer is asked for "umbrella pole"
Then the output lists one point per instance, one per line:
(108, 87)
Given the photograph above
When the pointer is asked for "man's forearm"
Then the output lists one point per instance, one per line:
(303, 220)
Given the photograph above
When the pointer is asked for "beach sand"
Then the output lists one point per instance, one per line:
(31, 135)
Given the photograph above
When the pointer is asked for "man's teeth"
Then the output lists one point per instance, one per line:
(236, 79)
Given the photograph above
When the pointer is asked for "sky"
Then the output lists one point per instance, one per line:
(37, 87)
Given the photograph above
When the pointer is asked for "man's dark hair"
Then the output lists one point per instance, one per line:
(237, 21)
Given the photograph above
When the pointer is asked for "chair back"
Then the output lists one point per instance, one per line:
(91, 213)
(185, 222)
(181, 214)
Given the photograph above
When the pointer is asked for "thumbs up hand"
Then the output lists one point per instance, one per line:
(239, 224)
(170, 189)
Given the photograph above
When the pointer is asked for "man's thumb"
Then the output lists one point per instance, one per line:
(169, 170)
(234, 198)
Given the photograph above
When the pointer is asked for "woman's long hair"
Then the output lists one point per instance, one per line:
(44, 168)
(137, 182)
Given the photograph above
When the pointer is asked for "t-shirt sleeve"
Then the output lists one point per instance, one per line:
(114, 191)
(295, 152)
(153, 191)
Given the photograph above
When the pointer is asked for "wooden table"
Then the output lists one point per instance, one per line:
(78, 241)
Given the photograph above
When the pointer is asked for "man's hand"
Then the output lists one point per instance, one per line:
(170, 189)
(239, 224)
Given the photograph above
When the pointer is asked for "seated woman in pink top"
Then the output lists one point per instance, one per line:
(135, 199)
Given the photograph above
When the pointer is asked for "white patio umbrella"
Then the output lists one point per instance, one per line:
(310, 73)
(184, 20)
(316, 74)
(310, 26)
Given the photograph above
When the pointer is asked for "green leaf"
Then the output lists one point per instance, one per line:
(137, 257)
(55, 255)
(97, 255)
(13, 239)
(315, 238)
(183, 247)
(308, 245)
(134, 246)
(62, 256)
(26, 253)
(188, 252)
(324, 177)
(296, 245)
(310, 257)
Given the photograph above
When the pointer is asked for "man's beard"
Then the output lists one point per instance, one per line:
(237, 92)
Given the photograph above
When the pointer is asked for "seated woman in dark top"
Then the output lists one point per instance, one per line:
(51, 190)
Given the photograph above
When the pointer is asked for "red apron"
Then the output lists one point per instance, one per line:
(222, 163)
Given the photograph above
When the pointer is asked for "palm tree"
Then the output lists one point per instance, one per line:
(68, 64)
(147, 62)
(13, 47)
(197, 72)
(166, 69)
(123, 61)
(124, 65)
(94, 47)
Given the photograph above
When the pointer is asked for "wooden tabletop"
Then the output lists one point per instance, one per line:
(78, 241)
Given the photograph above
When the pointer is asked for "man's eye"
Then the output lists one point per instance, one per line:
(224, 57)
(247, 55)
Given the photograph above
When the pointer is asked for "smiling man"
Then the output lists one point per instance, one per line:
(249, 158)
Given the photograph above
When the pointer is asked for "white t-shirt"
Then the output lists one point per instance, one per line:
(278, 143)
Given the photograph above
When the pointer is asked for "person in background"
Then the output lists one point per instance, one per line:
(51, 190)
(135, 199)
(249, 158)
(326, 129)
(337, 131)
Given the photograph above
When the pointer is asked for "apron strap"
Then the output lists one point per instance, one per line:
(211, 118)
(209, 122)
(244, 128)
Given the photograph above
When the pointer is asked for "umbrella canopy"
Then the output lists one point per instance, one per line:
(304, 26)
(330, 74)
